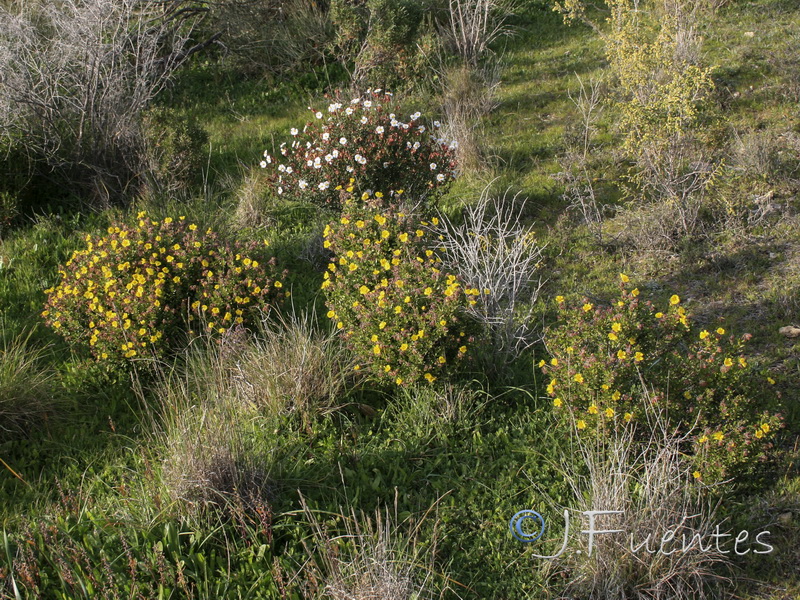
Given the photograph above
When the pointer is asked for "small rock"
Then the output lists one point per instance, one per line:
(790, 331)
(749, 34)
(785, 518)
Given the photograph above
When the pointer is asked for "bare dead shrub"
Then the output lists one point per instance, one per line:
(76, 76)
(473, 26)
(493, 251)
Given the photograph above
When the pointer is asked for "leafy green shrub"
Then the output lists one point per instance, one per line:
(128, 293)
(398, 310)
(361, 145)
(173, 154)
(605, 360)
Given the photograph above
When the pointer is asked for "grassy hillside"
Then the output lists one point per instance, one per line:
(266, 466)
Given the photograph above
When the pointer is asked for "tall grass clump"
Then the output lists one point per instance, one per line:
(648, 479)
(370, 556)
(292, 365)
(206, 433)
(493, 251)
(28, 392)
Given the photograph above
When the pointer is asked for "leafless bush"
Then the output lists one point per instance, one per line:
(493, 251)
(473, 26)
(649, 479)
(75, 76)
(373, 558)
(579, 192)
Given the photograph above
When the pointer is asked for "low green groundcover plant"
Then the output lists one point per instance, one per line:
(608, 360)
(129, 292)
(364, 144)
(386, 290)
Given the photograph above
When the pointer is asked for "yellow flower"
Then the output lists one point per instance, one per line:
(581, 424)
(587, 307)
(462, 350)
(278, 284)
(622, 355)
(759, 434)
(612, 336)
(721, 331)
(399, 380)
(703, 439)
(557, 402)
(659, 315)
(765, 427)
(770, 380)
(430, 377)
(704, 334)
(674, 299)
(382, 324)
(403, 347)
(638, 357)
(554, 362)
(628, 417)
(541, 363)
(609, 412)
(559, 299)
(442, 360)
(696, 475)
(616, 395)
(718, 436)
(331, 314)
(742, 362)
(635, 292)
(616, 327)
(376, 350)
(624, 278)
(592, 410)
(578, 378)
(728, 362)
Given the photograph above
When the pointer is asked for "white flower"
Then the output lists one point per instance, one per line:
(281, 168)
(395, 123)
(416, 116)
(378, 91)
(280, 190)
(309, 162)
(379, 129)
(318, 115)
(343, 141)
(416, 146)
(295, 144)
(294, 131)
(437, 124)
(284, 151)
(453, 145)
(348, 111)
(421, 128)
(335, 153)
(408, 144)
(303, 184)
(349, 169)
(328, 158)
(308, 145)
(433, 166)
(355, 100)
(405, 126)
(440, 177)
(324, 185)
(362, 160)
(364, 120)
(367, 103)
(392, 115)
(386, 165)
(326, 136)
(357, 157)
(263, 164)
(289, 170)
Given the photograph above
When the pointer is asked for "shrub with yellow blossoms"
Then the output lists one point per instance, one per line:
(388, 295)
(602, 355)
(132, 292)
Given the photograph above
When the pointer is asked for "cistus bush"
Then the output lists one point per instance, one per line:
(366, 140)
(402, 315)
(132, 292)
(606, 361)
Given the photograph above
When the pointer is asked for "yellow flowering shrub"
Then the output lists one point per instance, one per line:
(603, 355)
(131, 292)
(386, 291)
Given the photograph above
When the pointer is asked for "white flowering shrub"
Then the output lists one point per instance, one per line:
(362, 145)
